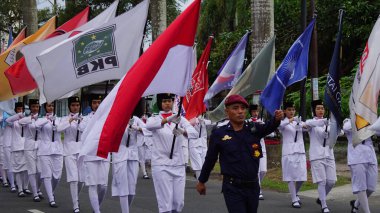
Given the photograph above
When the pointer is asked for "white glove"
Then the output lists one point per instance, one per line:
(54, 128)
(298, 127)
(298, 119)
(174, 118)
(20, 115)
(135, 127)
(75, 117)
(325, 135)
(131, 121)
(178, 131)
(51, 117)
(201, 119)
(326, 121)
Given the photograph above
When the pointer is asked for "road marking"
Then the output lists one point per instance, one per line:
(35, 211)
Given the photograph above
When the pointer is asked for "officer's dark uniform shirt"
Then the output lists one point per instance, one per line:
(239, 151)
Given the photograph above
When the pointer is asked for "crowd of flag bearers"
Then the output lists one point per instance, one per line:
(118, 136)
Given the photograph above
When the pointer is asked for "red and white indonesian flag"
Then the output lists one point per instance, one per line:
(365, 90)
(165, 67)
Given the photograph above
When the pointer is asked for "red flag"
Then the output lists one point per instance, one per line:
(156, 71)
(21, 36)
(18, 74)
(193, 102)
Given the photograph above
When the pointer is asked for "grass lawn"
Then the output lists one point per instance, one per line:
(273, 181)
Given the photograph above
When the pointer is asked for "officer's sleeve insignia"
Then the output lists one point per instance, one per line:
(226, 137)
(256, 153)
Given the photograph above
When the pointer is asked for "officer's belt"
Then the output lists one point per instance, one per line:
(240, 182)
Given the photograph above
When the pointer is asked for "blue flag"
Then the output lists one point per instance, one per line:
(230, 71)
(332, 92)
(292, 69)
(10, 38)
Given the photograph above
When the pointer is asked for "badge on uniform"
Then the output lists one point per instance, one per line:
(256, 152)
(226, 137)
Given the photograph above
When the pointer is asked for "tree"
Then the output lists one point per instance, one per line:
(29, 15)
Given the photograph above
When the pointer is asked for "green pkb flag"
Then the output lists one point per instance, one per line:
(254, 78)
(94, 45)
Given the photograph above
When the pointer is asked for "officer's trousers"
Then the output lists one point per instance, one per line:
(241, 199)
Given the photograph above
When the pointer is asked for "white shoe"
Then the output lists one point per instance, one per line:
(296, 205)
(261, 196)
(325, 210)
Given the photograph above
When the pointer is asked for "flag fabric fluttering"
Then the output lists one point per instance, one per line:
(10, 56)
(333, 96)
(10, 36)
(230, 70)
(32, 51)
(100, 54)
(18, 74)
(365, 90)
(292, 69)
(21, 36)
(253, 79)
(165, 67)
(193, 101)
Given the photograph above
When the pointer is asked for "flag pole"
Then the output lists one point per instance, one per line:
(176, 126)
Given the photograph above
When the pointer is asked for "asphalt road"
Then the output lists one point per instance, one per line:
(145, 201)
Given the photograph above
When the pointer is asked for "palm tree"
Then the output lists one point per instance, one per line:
(158, 17)
(29, 15)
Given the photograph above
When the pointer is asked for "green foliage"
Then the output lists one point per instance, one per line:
(10, 14)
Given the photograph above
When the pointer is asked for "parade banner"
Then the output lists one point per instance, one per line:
(166, 67)
(10, 56)
(104, 53)
(193, 101)
(18, 74)
(230, 71)
(31, 52)
(333, 97)
(254, 78)
(365, 90)
(292, 69)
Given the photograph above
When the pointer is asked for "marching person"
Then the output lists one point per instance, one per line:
(363, 165)
(198, 146)
(96, 169)
(169, 175)
(2, 170)
(50, 151)
(7, 162)
(237, 145)
(71, 147)
(32, 139)
(293, 153)
(18, 160)
(254, 112)
(144, 142)
(125, 164)
(321, 156)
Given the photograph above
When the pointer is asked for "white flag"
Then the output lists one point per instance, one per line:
(33, 50)
(365, 90)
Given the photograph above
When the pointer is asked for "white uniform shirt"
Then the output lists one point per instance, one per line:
(49, 145)
(316, 129)
(130, 152)
(163, 138)
(288, 131)
(362, 153)
(200, 127)
(17, 140)
(71, 132)
(82, 127)
(30, 132)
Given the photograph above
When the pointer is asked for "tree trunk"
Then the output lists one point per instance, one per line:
(158, 17)
(29, 15)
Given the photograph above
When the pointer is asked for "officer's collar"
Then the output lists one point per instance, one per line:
(230, 128)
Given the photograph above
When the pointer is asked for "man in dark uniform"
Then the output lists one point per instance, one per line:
(238, 146)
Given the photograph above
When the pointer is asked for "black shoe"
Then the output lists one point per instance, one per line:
(40, 195)
(5, 185)
(36, 199)
(296, 205)
(21, 194)
(53, 204)
(76, 210)
(325, 210)
(27, 191)
(352, 204)
(13, 189)
(146, 177)
(318, 201)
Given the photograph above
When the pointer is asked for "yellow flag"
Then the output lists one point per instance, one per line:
(10, 56)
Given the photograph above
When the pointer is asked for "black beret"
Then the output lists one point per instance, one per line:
(288, 104)
(96, 97)
(315, 103)
(253, 107)
(19, 104)
(73, 99)
(34, 101)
